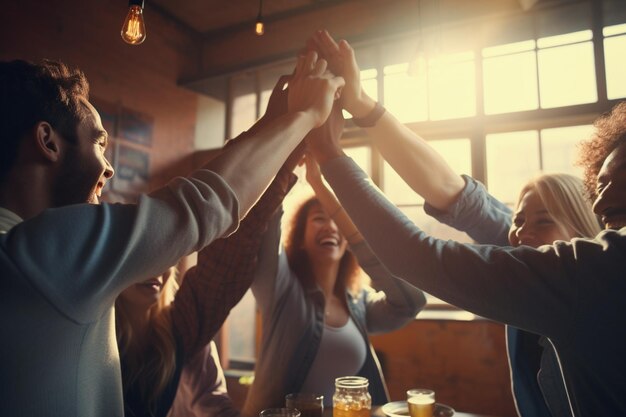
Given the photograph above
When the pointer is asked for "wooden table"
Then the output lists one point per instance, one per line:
(377, 412)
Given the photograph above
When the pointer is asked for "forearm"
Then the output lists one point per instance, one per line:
(225, 271)
(421, 167)
(493, 282)
(249, 165)
(334, 209)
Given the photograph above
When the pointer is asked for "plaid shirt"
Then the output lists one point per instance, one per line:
(224, 272)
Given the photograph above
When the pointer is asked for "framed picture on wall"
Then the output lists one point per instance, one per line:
(132, 170)
(135, 127)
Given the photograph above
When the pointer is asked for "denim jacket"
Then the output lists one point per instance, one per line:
(293, 322)
(536, 380)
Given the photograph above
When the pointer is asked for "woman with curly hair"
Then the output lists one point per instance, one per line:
(316, 310)
(606, 149)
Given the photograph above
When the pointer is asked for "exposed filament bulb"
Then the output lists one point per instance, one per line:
(134, 29)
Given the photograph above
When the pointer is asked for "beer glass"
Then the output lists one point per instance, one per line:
(421, 402)
(309, 405)
(279, 412)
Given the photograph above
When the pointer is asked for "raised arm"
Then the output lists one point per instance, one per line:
(423, 169)
(202, 388)
(249, 165)
(504, 284)
(226, 268)
(393, 303)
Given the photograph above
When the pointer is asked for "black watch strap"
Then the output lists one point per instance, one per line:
(371, 118)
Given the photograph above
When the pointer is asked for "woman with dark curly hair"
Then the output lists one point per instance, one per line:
(607, 147)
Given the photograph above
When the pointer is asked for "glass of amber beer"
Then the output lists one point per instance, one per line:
(421, 402)
(309, 405)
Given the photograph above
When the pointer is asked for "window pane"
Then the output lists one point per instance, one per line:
(406, 96)
(559, 148)
(615, 59)
(452, 86)
(362, 155)
(509, 48)
(567, 75)
(241, 329)
(512, 159)
(614, 30)
(396, 190)
(456, 152)
(574, 37)
(244, 113)
(265, 98)
(510, 83)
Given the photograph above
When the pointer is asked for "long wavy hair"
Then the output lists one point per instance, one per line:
(150, 369)
(350, 274)
(564, 198)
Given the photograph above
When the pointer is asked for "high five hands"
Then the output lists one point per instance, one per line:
(342, 62)
(313, 90)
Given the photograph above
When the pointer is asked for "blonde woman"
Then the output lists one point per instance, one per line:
(161, 329)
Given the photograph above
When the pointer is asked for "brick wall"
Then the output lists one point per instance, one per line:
(86, 34)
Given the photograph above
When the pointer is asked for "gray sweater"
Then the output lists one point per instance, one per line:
(60, 273)
(571, 292)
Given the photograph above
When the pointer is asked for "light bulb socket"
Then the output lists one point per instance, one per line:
(136, 3)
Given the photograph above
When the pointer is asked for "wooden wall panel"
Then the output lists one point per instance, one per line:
(464, 362)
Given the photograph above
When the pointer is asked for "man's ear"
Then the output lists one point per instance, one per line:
(47, 141)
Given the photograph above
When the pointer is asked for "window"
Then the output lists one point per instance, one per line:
(615, 60)
(503, 102)
(406, 96)
(244, 114)
(452, 86)
(512, 158)
(457, 154)
(567, 74)
(559, 148)
(510, 78)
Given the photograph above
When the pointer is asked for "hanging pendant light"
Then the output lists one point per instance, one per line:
(259, 27)
(134, 28)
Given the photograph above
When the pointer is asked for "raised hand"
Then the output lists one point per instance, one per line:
(277, 105)
(323, 142)
(313, 174)
(312, 89)
(342, 61)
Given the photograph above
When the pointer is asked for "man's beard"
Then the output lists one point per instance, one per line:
(71, 185)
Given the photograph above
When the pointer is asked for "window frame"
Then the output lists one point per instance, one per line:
(476, 127)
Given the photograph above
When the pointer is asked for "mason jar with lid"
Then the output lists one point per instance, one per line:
(351, 399)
